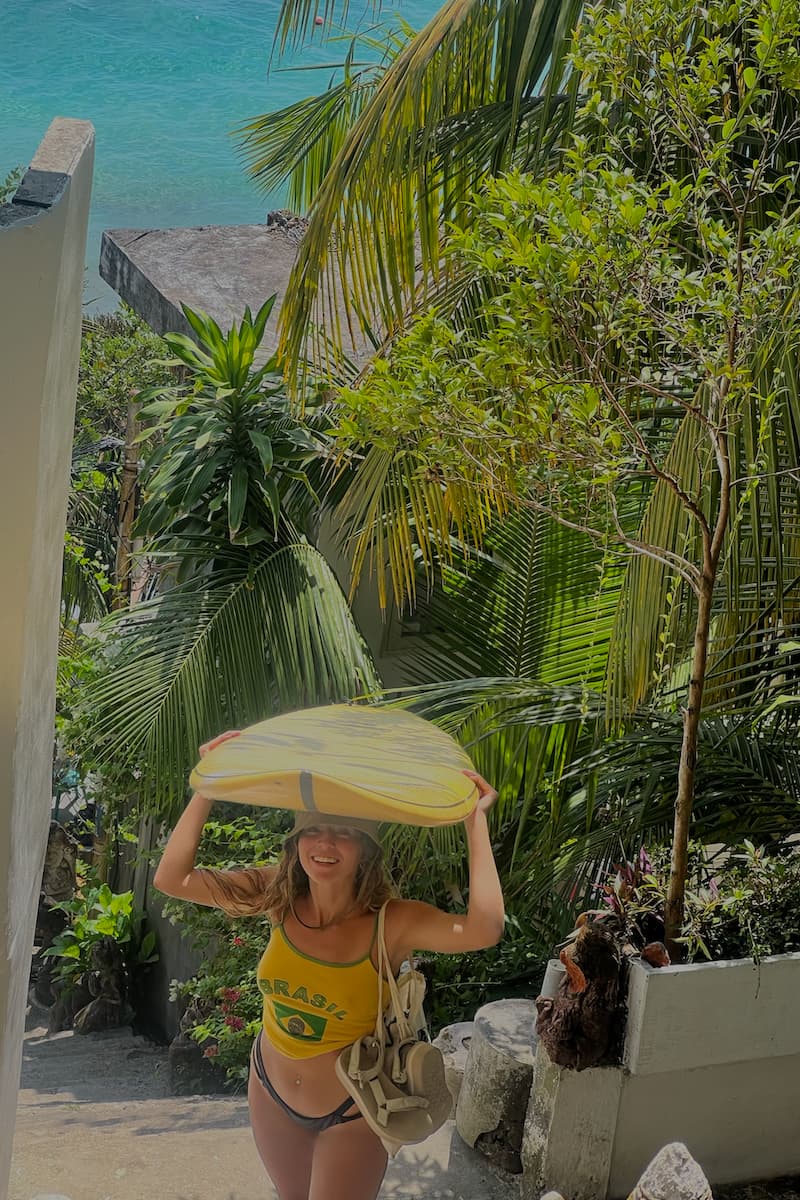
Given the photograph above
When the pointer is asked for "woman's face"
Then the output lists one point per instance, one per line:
(330, 853)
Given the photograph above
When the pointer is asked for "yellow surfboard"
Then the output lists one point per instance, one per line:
(378, 764)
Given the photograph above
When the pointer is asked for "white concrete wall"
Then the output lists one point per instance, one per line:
(712, 1059)
(42, 249)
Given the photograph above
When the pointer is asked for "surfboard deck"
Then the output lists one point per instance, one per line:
(377, 764)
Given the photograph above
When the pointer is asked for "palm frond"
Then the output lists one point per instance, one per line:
(574, 801)
(377, 225)
(230, 649)
(300, 142)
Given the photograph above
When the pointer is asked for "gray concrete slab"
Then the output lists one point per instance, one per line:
(219, 269)
(94, 1123)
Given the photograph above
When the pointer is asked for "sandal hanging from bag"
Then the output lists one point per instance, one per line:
(396, 1080)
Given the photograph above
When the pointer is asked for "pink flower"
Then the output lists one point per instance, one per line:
(237, 941)
(234, 1023)
(211, 1052)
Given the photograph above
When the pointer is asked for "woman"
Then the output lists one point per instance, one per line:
(319, 979)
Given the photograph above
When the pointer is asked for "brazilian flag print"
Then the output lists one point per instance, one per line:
(303, 1026)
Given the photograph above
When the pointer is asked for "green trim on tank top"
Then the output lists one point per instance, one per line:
(323, 962)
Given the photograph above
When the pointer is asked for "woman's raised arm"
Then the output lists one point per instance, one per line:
(177, 875)
(417, 926)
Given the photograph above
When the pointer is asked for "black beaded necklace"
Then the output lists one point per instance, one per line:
(326, 924)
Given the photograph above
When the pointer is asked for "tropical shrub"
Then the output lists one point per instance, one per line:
(10, 183)
(96, 913)
(225, 990)
(226, 443)
(743, 904)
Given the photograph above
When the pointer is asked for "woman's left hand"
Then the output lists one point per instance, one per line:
(487, 796)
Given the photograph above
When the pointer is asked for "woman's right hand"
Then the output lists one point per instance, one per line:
(218, 740)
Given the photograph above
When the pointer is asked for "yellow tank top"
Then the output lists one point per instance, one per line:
(310, 1006)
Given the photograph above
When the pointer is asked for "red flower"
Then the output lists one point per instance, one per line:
(232, 995)
(235, 1023)
(211, 1052)
(237, 941)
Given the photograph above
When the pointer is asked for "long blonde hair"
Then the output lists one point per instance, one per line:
(251, 897)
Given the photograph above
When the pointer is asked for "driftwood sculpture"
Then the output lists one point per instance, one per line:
(577, 1026)
(580, 1026)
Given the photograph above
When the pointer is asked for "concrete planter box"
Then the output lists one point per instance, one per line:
(712, 1059)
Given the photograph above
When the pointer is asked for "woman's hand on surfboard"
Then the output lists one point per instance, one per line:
(487, 796)
(218, 740)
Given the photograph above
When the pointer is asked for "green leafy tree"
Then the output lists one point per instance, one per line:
(639, 335)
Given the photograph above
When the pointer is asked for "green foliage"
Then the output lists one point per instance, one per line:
(228, 445)
(120, 358)
(95, 913)
(743, 904)
(225, 991)
(626, 365)
(599, 338)
(117, 360)
(575, 799)
(10, 183)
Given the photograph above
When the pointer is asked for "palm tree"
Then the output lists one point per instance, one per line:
(388, 157)
(464, 101)
(244, 618)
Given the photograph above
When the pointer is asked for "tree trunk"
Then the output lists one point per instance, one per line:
(686, 771)
(127, 510)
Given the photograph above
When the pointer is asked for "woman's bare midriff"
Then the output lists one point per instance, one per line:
(318, 1092)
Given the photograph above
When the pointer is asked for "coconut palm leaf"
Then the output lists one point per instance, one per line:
(537, 601)
(597, 799)
(299, 143)
(374, 242)
(756, 603)
(217, 652)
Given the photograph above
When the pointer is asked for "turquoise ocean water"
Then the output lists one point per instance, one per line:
(164, 82)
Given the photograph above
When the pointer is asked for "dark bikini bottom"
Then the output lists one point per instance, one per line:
(315, 1124)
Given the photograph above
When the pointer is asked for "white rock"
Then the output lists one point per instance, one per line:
(673, 1175)
(453, 1041)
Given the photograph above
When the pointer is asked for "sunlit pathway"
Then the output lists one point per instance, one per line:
(93, 1123)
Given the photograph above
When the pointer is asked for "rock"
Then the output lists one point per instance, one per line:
(672, 1175)
(190, 1072)
(552, 1196)
(490, 1112)
(453, 1041)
